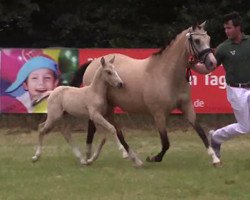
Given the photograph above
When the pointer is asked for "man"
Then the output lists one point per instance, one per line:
(234, 54)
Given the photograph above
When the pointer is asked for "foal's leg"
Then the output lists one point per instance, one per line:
(97, 152)
(119, 144)
(67, 136)
(90, 136)
(131, 154)
(99, 119)
(43, 129)
(54, 113)
(160, 121)
(188, 110)
(118, 132)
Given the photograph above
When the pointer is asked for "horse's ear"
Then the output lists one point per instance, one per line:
(103, 61)
(188, 35)
(195, 25)
(203, 25)
(112, 60)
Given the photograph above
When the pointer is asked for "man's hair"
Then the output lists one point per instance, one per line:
(235, 17)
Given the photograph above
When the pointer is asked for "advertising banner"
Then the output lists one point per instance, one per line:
(28, 73)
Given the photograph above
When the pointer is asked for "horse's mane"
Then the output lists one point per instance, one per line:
(169, 42)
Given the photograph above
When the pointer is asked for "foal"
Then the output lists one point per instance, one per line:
(86, 101)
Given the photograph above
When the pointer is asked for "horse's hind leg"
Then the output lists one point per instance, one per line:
(189, 113)
(99, 119)
(90, 137)
(67, 136)
(160, 121)
(131, 154)
(118, 131)
(120, 146)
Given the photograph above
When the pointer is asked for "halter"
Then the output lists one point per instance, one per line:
(197, 56)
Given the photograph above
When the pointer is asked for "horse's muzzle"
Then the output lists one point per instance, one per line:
(120, 85)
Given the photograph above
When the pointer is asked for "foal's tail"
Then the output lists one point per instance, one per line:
(76, 82)
(39, 98)
(77, 78)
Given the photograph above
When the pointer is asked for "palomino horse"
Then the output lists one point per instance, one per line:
(158, 84)
(88, 101)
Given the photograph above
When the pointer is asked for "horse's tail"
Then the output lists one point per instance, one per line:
(77, 78)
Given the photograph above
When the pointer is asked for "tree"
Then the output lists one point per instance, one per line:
(15, 24)
(126, 23)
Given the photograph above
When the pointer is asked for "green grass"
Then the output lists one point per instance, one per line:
(185, 173)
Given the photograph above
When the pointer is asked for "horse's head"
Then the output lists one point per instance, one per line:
(199, 45)
(109, 73)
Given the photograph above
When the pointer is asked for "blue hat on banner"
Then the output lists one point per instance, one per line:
(31, 65)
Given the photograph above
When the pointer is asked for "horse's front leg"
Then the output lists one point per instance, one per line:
(188, 110)
(160, 121)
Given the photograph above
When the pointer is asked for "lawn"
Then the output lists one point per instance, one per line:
(185, 173)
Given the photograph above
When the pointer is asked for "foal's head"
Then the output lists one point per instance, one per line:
(109, 74)
(199, 45)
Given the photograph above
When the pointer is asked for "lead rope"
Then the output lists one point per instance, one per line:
(191, 60)
(189, 76)
(195, 57)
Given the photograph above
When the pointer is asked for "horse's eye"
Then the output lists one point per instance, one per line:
(109, 73)
(197, 41)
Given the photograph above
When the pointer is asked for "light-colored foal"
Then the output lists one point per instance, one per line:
(86, 101)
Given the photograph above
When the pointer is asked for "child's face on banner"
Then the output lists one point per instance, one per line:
(40, 81)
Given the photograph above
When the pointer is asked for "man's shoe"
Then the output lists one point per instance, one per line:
(215, 145)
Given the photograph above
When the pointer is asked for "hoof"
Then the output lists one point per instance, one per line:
(88, 155)
(89, 162)
(83, 162)
(149, 159)
(35, 158)
(153, 159)
(124, 155)
(217, 165)
(138, 163)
